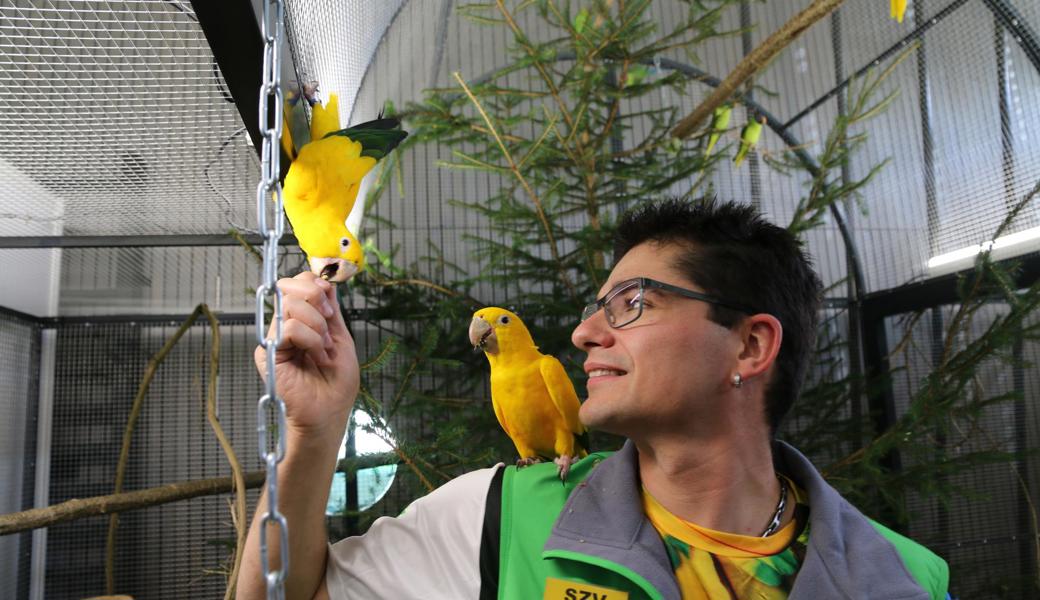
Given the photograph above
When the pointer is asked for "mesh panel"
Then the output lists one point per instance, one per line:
(987, 536)
(165, 551)
(175, 550)
(19, 380)
(332, 43)
(115, 114)
(105, 281)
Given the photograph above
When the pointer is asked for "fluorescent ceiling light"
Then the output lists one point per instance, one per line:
(1007, 246)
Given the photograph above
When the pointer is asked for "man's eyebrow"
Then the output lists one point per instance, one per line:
(610, 288)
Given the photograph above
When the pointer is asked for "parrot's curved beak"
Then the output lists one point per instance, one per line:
(335, 270)
(482, 336)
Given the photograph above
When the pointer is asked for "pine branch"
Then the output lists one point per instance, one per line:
(523, 182)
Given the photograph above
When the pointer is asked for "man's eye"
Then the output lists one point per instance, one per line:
(632, 301)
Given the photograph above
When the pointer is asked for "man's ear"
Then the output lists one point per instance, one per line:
(761, 336)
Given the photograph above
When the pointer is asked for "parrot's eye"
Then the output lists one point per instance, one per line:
(504, 319)
(344, 242)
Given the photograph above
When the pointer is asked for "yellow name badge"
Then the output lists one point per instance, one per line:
(559, 589)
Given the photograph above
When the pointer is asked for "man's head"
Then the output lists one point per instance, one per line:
(757, 281)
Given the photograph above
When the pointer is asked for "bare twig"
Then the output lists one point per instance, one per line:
(237, 235)
(124, 451)
(239, 514)
(423, 283)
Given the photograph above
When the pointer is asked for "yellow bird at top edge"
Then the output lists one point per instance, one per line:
(897, 8)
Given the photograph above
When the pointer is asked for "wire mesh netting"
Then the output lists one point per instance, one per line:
(170, 551)
(174, 550)
(117, 120)
(989, 534)
(19, 388)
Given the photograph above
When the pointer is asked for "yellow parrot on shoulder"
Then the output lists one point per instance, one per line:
(533, 398)
(322, 185)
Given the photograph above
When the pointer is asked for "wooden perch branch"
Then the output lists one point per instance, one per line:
(72, 510)
(754, 62)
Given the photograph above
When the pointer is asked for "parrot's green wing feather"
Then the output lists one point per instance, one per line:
(561, 390)
(377, 138)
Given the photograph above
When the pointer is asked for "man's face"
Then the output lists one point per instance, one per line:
(667, 370)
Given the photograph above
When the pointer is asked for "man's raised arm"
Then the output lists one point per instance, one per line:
(317, 377)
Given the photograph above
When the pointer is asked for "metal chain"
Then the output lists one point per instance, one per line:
(269, 206)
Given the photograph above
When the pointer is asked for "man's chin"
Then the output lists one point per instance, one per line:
(595, 414)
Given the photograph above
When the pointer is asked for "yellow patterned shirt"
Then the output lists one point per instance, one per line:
(714, 565)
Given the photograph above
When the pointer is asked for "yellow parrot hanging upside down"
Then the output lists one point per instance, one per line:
(322, 185)
(533, 398)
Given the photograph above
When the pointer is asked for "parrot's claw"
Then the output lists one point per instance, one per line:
(527, 462)
(563, 465)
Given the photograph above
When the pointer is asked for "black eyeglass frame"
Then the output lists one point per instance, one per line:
(644, 283)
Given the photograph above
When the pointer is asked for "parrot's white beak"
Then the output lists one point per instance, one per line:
(482, 336)
(335, 270)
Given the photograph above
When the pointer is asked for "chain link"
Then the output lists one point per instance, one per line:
(268, 207)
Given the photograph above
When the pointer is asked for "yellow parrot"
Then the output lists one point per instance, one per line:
(897, 8)
(533, 398)
(322, 185)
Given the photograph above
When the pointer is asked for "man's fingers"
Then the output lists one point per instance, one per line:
(297, 308)
(302, 337)
(311, 289)
(337, 326)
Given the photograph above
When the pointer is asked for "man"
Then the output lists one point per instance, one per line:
(697, 346)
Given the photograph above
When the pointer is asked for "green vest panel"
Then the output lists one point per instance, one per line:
(532, 498)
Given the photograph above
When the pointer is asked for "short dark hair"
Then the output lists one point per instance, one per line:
(735, 254)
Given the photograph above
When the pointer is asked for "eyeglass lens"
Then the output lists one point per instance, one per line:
(624, 305)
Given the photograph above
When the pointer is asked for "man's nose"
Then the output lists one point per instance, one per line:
(593, 331)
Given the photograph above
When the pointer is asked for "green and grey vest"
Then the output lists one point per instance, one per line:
(588, 539)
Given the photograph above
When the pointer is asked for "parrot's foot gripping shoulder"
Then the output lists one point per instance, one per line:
(563, 465)
(527, 462)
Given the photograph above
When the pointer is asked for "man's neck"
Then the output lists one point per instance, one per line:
(724, 483)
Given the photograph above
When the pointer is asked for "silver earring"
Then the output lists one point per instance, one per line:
(737, 380)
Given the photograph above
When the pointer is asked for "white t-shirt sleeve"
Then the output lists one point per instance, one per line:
(431, 551)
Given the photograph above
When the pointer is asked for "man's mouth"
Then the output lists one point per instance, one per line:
(604, 373)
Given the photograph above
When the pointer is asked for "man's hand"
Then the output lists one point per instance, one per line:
(316, 366)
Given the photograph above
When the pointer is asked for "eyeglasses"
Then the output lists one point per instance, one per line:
(623, 304)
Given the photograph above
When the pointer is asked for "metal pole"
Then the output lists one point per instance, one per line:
(854, 294)
(754, 172)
